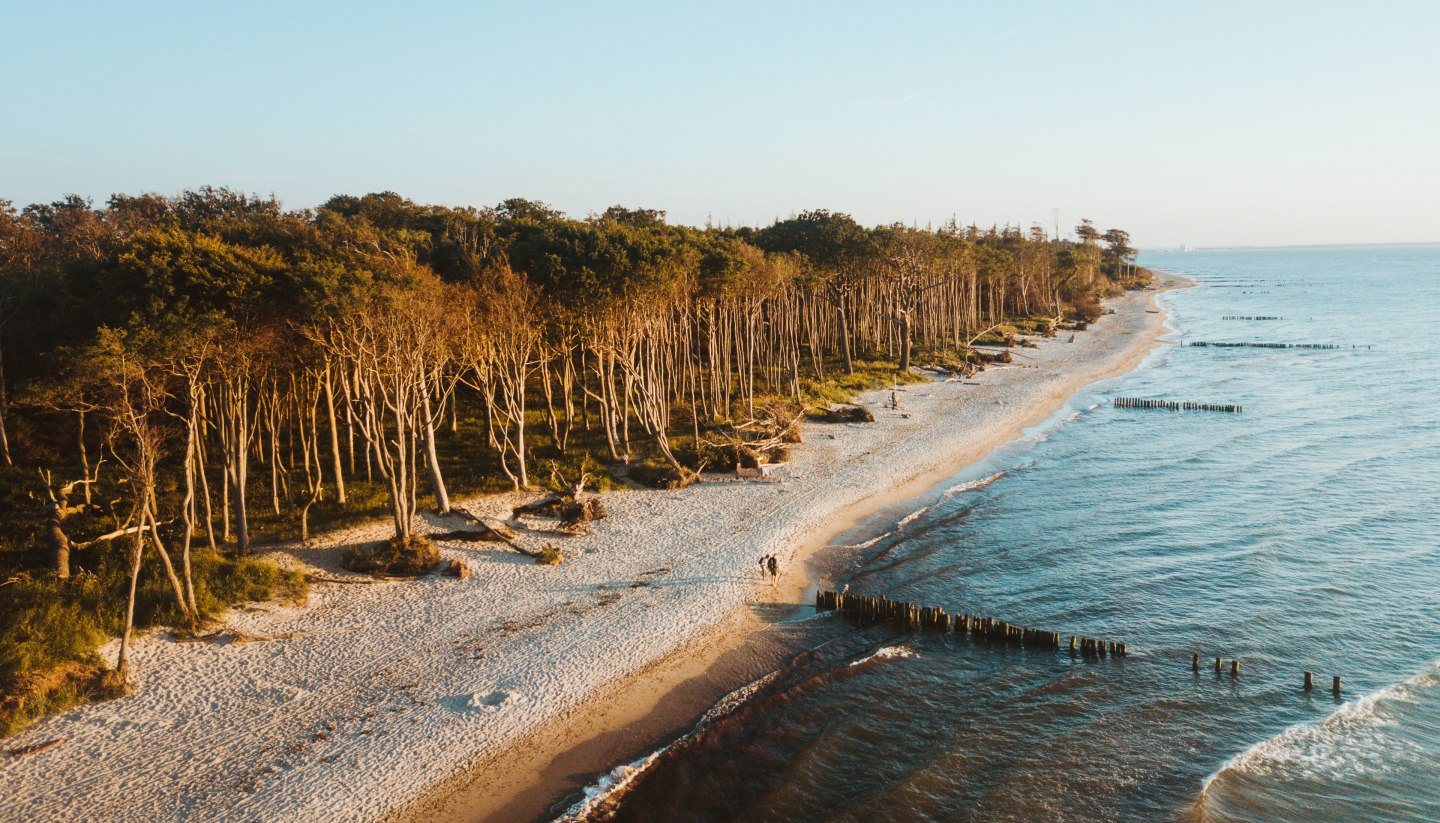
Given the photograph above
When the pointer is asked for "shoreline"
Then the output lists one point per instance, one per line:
(387, 701)
(627, 720)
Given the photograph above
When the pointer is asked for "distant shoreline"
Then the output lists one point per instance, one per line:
(627, 719)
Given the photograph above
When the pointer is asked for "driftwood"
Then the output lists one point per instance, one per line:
(315, 578)
(546, 505)
(505, 533)
(36, 748)
(236, 636)
(848, 414)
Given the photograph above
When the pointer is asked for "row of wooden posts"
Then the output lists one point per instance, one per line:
(866, 610)
(1174, 405)
(1307, 683)
(1250, 317)
(1266, 345)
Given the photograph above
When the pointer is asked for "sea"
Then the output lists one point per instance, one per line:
(1300, 534)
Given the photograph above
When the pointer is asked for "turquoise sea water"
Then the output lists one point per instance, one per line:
(1303, 534)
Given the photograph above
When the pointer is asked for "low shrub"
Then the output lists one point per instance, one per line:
(396, 557)
(51, 629)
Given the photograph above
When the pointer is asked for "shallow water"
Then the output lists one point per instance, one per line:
(1299, 535)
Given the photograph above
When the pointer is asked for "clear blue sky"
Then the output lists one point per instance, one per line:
(1207, 124)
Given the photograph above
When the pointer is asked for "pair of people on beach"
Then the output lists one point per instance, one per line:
(769, 564)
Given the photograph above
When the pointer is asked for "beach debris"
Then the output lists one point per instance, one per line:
(847, 414)
(364, 581)
(458, 568)
(236, 637)
(503, 532)
(760, 440)
(36, 748)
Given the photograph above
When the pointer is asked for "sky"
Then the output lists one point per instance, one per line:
(1214, 124)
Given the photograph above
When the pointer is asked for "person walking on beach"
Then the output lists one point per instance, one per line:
(774, 566)
(764, 560)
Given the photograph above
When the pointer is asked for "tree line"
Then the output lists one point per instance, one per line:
(198, 356)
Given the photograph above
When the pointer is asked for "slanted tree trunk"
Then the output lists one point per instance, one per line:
(122, 663)
(4, 438)
(432, 460)
(336, 473)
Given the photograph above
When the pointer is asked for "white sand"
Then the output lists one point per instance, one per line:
(389, 688)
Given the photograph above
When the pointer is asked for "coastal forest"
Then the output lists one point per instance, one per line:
(184, 379)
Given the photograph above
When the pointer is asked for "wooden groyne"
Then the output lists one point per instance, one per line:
(1249, 317)
(1173, 405)
(867, 610)
(1204, 343)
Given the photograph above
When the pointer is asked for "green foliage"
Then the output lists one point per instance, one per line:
(50, 629)
(838, 387)
(549, 556)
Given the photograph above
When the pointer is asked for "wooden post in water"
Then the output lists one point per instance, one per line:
(1195, 662)
(1335, 689)
(1309, 681)
(1218, 666)
(1234, 668)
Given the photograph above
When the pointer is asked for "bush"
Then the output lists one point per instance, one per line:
(549, 556)
(395, 557)
(51, 629)
(1088, 309)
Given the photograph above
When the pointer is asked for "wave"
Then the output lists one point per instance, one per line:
(972, 485)
(1367, 749)
(959, 488)
(600, 798)
(910, 518)
(608, 788)
(888, 653)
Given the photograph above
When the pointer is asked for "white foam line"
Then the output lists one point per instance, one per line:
(888, 653)
(1289, 745)
(622, 777)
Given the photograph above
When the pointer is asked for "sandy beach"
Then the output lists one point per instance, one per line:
(466, 699)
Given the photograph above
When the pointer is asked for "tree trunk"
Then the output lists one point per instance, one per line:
(905, 340)
(437, 481)
(59, 542)
(4, 438)
(122, 663)
(845, 339)
(334, 438)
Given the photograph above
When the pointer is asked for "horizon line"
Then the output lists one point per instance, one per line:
(1183, 247)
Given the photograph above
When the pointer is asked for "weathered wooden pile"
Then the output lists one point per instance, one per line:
(1264, 345)
(867, 610)
(1174, 405)
(1250, 317)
